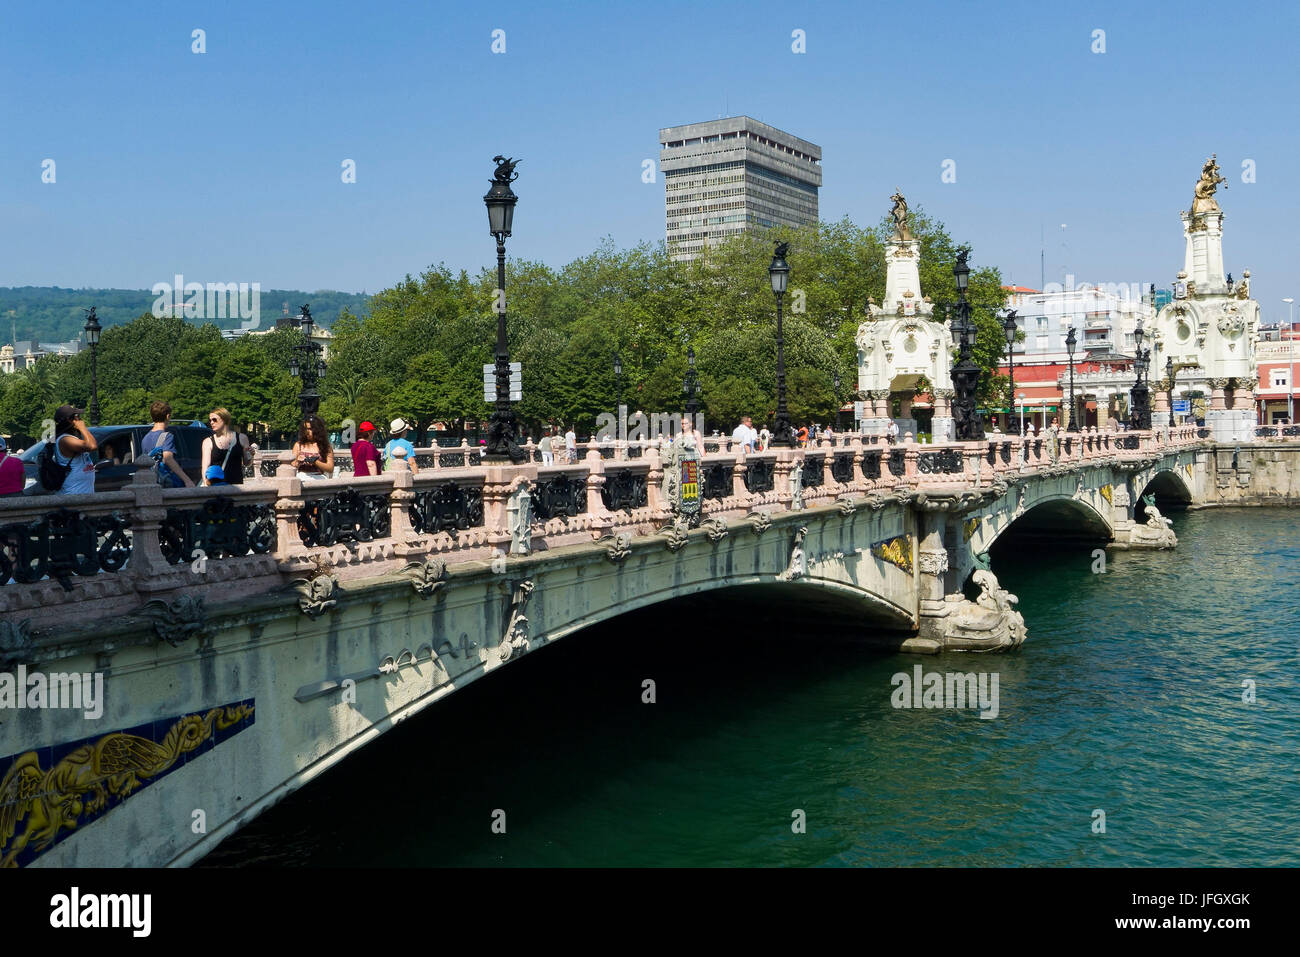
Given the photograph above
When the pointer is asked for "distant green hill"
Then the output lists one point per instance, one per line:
(52, 314)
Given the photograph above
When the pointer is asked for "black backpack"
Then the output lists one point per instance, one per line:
(49, 472)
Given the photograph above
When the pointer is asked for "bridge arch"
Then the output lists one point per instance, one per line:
(1055, 518)
(1171, 489)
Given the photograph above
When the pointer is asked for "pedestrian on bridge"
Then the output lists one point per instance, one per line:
(365, 457)
(313, 456)
(399, 449)
(227, 449)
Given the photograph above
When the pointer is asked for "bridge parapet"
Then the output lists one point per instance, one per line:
(65, 557)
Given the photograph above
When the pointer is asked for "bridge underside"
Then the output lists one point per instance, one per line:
(1055, 522)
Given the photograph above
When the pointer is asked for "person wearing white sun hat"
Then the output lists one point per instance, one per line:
(399, 449)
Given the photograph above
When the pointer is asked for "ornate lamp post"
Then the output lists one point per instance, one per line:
(1009, 327)
(1140, 407)
(836, 420)
(965, 374)
(1169, 374)
(779, 273)
(93, 329)
(500, 201)
(307, 364)
(1070, 342)
(691, 384)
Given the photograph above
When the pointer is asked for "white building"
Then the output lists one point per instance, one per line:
(1103, 318)
(725, 176)
(22, 355)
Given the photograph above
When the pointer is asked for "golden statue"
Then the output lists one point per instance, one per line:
(1206, 185)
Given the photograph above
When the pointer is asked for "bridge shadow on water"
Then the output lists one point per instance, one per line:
(587, 769)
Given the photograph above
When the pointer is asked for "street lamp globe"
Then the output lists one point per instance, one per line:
(500, 201)
(1009, 327)
(618, 365)
(93, 328)
(961, 271)
(779, 272)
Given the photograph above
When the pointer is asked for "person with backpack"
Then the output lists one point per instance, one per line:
(227, 449)
(66, 467)
(160, 445)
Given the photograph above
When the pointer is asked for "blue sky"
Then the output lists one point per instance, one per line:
(226, 166)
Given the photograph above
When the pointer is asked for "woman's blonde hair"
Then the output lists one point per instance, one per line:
(224, 414)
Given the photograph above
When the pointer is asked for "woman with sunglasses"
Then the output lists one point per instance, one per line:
(227, 448)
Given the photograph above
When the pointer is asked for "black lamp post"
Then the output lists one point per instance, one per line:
(1070, 342)
(307, 364)
(691, 385)
(837, 398)
(1009, 327)
(1169, 374)
(1140, 411)
(965, 374)
(500, 201)
(92, 339)
(779, 273)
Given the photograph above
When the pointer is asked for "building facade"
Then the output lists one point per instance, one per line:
(20, 355)
(724, 176)
(1276, 394)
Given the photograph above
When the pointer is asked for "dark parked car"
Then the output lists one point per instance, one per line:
(119, 447)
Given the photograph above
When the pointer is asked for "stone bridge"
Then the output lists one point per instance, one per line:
(248, 638)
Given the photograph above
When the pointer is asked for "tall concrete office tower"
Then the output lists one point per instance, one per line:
(724, 176)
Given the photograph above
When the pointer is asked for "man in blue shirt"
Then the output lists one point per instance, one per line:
(399, 449)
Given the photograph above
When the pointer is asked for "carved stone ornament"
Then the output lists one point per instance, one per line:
(426, 576)
(797, 567)
(989, 623)
(675, 536)
(716, 529)
(846, 506)
(182, 619)
(318, 595)
(933, 562)
(516, 636)
(619, 548)
(796, 486)
(760, 522)
(519, 515)
(16, 644)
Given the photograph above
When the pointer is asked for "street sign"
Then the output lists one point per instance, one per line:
(490, 382)
(1182, 406)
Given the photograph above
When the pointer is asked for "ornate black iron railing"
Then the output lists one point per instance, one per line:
(942, 462)
(842, 467)
(717, 480)
(760, 475)
(897, 463)
(447, 507)
(346, 516)
(813, 471)
(871, 463)
(624, 490)
(1129, 442)
(219, 528)
(560, 495)
(61, 544)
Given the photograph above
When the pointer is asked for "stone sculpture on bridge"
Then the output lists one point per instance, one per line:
(902, 348)
(1210, 328)
(989, 623)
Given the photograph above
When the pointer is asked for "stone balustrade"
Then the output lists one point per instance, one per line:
(64, 557)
